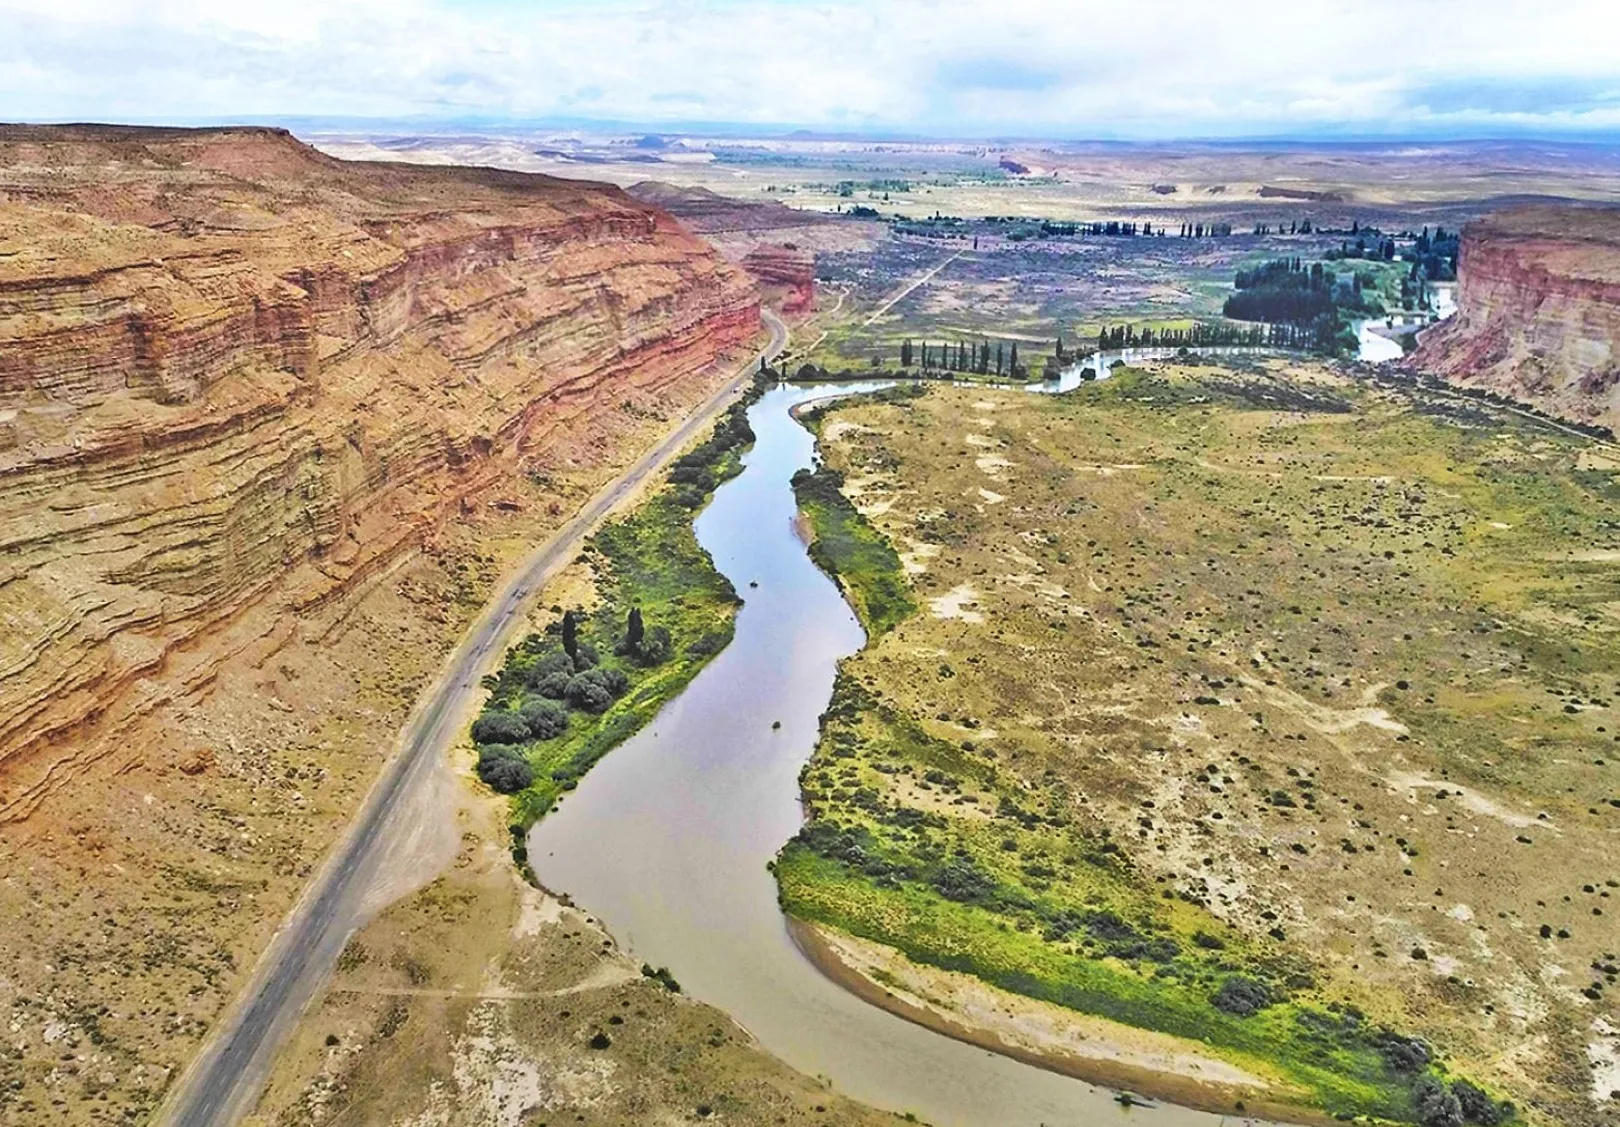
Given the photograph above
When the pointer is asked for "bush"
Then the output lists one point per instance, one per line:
(547, 719)
(548, 665)
(554, 685)
(1436, 1105)
(1403, 1054)
(962, 880)
(505, 774)
(595, 689)
(500, 727)
(1477, 1105)
(656, 646)
(1241, 996)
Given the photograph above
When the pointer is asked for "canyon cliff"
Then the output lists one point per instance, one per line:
(1538, 316)
(271, 424)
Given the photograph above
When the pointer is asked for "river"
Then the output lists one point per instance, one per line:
(666, 840)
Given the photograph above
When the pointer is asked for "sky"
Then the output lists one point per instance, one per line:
(1069, 69)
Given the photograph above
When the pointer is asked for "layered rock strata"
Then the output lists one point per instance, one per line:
(233, 370)
(1538, 316)
(272, 425)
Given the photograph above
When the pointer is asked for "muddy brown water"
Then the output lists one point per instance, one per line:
(666, 840)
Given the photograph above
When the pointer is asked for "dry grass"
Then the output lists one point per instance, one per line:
(1343, 678)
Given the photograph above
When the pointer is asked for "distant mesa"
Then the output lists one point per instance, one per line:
(651, 141)
(1271, 192)
(1164, 189)
(709, 213)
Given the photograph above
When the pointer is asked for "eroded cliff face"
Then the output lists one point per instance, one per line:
(222, 390)
(1538, 312)
(788, 270)
(270, 426)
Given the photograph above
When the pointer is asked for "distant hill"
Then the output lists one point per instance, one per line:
(709, 212)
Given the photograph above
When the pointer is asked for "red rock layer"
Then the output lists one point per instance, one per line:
(793, 270)
(1538, 312)
(237, 376)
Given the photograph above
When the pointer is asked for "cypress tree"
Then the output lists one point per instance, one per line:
(570, 636)
(635, 630)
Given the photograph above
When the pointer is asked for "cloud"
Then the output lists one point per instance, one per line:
(1071, 68)
(1536, 96)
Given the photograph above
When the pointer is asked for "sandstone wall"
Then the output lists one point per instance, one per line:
(1538, 312)
(238, 376)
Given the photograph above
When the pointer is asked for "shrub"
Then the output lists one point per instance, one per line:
(1477, 1105)
(1241, 996)
(655, 646)
(546, 719)
(1436, 1105)
(1403, 1054)
(505, 774)
(548, 664)
(595, 689)
(554, 685)
(500, 727)
(960, 879)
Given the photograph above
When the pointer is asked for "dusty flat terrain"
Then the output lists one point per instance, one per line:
(1322, 670)
(1061, 180)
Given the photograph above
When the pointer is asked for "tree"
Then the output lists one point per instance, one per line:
(545, 719)
(905, 354)
(570, 635)
(500, 727)
(505, 774)
(1013, 363)
(635, 630)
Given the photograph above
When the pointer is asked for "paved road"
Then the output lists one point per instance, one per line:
(224, 1080)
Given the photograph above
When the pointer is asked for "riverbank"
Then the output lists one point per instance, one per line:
(668, 838)
(1107, 1054)
(1037, 778)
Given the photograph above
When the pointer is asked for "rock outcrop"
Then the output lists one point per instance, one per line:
(271, 427)
(1538, 316)
(789, 270)
(235, 373)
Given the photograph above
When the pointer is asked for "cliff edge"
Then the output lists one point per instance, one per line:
(271, 426)
(1538, 316)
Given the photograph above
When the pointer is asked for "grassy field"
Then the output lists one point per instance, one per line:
(1253, 706)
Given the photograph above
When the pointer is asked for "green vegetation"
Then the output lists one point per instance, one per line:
(567, 697)
(1024, 899)
(1154, 762)
(845, 545)
(848, 548)
(1313, 302)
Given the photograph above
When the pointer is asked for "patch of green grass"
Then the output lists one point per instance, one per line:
(1328, 1055)
(846, 546)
